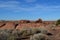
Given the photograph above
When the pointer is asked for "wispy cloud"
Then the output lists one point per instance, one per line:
(29, 1)
(16, 6)
(29, 8)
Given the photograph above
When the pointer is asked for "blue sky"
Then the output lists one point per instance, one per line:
(29, 9)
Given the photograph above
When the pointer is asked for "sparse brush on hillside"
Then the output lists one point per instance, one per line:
(4, 35)
(31, 31)
(35, 30)
(39, 36)
(25, 31)
(44, 31)
(10, 34)
(53, 27)
(11, 37)
(39, 30)
(58, 22)
(16, 33)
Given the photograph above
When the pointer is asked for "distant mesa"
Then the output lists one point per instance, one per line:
(29, 21)
(23, 23)
(39, 21)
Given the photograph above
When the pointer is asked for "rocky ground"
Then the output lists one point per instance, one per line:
(49, 25)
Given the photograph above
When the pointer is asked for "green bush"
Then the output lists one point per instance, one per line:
(39, 36)
(58, 22)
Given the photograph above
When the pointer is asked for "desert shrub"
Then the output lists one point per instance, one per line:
(25, 31)
(39, 36)
(16, 33)
(58, 22)
(19, 34)
(53, 27)
(4, 35)
(9, 30)
(10, 34)
(6, 30)
(39, 30)
(44, 31)
(11, 37)
(31, 31)
(35, 30)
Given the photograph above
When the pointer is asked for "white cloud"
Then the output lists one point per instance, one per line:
(16, 7)
(9, 4)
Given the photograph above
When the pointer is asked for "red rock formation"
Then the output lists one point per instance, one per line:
(2, 24)
(29, 25)
(9, 25)
(39, 21)
(24, 21)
